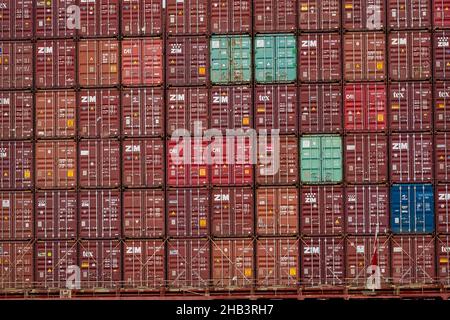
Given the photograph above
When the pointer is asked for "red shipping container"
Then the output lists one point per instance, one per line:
(443, 257)
(278, 167)
(277, 263)
(188, 263)
(232, 263)
(410, 105)
(367, 209)
(441, 54)
(142, 61)
(55, 114)
(366, 158)
(231, 108)
(56, 163)
(16, 165)
(360, 252)
(56, 215)
(16, 60)
(273, 15)
(276, 108)
(443, 208)
(16, 115)
(364, 56)
(98, 62)
(413, 260)
(99, 18)
(143, 163)
(16, 265)
(410, 55)
(16, 19)
(55, 63)
(144, 264)
(53, 18)
(277, 211)
(365, 107)
(319, 14)
(187, 16)
(232, 212)
(441, 13)
(142, 17)
(229, 16)
(322, 210)
(188, 212)
(16, 215)
(412, 157)
(98, 115)
(144, 213)
(100, 262)
(100, 214)
(323, 261)
(442, 101)
(187, 60)
(363, 14)
(143, 112)
(320, 108)
(320, 57)
(408, 14)
(53, 264)
(442, 153)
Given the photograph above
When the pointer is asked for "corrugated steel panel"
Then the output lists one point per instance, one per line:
(277, 211)
(441, 54)
(412, 208)
(187, 16)
(16, 115)
(443, 258)
(16, 60)
(442, 154)
(320, 108)
(275, 16)
(443, 208)
(142, 17)
(322, 210)
(442, 104)
(441, 11)
(363, 14)
(319, 14)
(16, 165)
(229, 16)
(16, 215)
(16, 265)
(51, 18)
(16, 19)
(406, 14)
(99, 18)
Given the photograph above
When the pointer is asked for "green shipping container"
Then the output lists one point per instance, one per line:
(231, 59)
(275, 58)
(321, 159)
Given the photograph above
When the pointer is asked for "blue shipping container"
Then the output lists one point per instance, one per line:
(412, 208)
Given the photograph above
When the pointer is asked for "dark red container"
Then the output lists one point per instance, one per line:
(320, 57)
(319, 14)
(143, 162)
(413, 260)
(186, 60)
(323, 261)
(275, 16)
(142, 17)
(17, 267)
(411, 157)
(142, 61)
(52, 18)
(365, 107)
(16, 215)
(442, 153)
(99, 162)
(410, 55)
(232, 212)
(100, 215)
(443, 208)
(364, 56)
(322, 210)
(366, 158)
(188, 212)
(56, 163)
(144, 264)
(100, 262)
(441, 54)
(408, 14)
(276, 108)
(442, 106)
(277, 211)
(16, 165)
(187, 16)
(16, 115)
(367, 209)
(55, 114)
(188, 263)
(410, 106)
(56, 215)
(443, 257)
(320, 108)
(99, 18)
(228, 16)
(363, 14)
(16, 21)
(98, 62)
(16, 60)
(441, 13)
(144, 213)
(98, 113)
